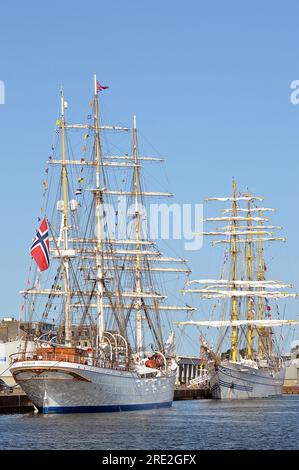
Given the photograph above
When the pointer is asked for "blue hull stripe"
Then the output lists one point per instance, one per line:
(245, 388)
(102, 408)
(267, 381)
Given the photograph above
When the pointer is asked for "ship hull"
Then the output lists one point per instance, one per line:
(235, 381)
(74, 388)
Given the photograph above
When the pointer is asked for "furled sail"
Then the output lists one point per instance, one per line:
(240, 198)
(241, 293)
(229, 323)
(225, 282)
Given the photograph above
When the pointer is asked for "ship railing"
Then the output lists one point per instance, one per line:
(60, 357)
(22, 356)
(201, 379)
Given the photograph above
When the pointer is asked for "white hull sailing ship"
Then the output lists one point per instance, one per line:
(107, 352)
(238, 380)
(250, 368)
(58, 386)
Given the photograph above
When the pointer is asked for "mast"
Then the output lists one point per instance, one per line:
(139, 326)
(234, 313)
(98, 197)
(261, 277)
(66, 270)
(249, 277)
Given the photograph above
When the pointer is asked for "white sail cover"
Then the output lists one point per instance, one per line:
(234, 232)
(241, 198)
(235, 218)
(254, 209)
(230, 323)
(240, 293)
(226, 283)
(252, 240)
(251, 227)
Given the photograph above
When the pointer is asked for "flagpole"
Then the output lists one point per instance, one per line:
(95, 84)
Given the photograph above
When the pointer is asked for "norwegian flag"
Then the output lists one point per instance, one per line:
(101, 87)
(40, 247)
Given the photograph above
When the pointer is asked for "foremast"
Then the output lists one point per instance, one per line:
(139, 319)
(98, 202)
(65, 228)
(234, 313)
(249, 277)
(261, 278)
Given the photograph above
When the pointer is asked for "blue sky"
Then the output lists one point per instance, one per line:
(209, 82)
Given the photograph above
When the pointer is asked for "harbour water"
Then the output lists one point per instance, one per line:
(194, 424)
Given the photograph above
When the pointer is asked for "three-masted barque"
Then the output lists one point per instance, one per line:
(114, 357)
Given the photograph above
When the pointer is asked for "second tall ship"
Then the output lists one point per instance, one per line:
(252, 366)
(106, 351)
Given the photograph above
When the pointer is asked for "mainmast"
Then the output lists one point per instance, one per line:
(98, 197)
(234, 313)
(65, 227)
(139, 319)
(260, 277)
(249, 277)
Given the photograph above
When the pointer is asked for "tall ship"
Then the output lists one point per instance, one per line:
(246, 361)
(100, 277)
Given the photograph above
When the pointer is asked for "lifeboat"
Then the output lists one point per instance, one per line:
(153, 362)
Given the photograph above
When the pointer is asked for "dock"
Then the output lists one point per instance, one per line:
(15, 402)
(291, 390)
(191, 393)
